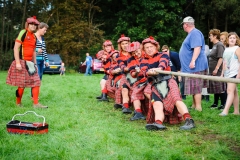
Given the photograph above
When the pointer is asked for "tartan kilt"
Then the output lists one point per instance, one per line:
(109, 86)
(216, 87)
(137, 91)
(21, 78)
(194, 85)
(110, 89)
(171, 113)
(118, 94)
(148, 89)
(125, 81)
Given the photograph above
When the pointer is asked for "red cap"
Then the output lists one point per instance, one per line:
(123, 38)
(133, 46)
(33, 19)
(107, 43)
(100, 54)
(112, 52)
(150, 40)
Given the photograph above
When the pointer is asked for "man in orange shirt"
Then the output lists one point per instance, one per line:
(23, 71)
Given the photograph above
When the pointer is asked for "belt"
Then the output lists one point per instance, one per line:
(159, 78)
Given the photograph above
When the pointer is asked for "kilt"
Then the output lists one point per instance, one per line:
(194, 85)
(21, 78)
(124, 81)
(118, 94)
(216, 87)
(171, 113)
(109, 86)
(110, 89)
(148, 89)
(137, 91)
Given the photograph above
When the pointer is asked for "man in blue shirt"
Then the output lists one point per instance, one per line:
(88, 63)
(193, 60)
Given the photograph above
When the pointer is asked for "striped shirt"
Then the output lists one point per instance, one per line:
(158, 60)
(41, 45)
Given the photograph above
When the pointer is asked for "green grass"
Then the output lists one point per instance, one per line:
(82, 128)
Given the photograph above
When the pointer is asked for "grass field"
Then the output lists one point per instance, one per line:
(82, 128)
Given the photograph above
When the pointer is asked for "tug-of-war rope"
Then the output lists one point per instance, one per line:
(212, 78)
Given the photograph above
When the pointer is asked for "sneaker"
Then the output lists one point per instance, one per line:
(39, 106)
(117, 106)
(126, 111)
(19, 105)
(189, 124)
(221, 107)
(137, 116)
(155, 126)
(213, 106)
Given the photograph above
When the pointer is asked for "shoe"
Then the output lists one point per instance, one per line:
(155, 126)
(126, 111)
(104, 97)
(39, 106)
(213, 106)
(221, 107)
(137, 116)
(19, 105)
(99, 97)
(117, 106)
(189, 124)
(222, 114)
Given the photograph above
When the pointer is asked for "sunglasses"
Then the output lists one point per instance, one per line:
(164, 50)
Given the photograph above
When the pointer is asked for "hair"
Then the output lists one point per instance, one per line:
(215, 32)
(237, 38)
(165, 47)
(226, 35)
(42, 25)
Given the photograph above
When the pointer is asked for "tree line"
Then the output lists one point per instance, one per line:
(80, 26)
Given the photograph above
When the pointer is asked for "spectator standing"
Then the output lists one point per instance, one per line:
(41, 48)
(23, 71)
(223, 37)
(231, 69)
(193, 60)
(88, 63)
(62, 69)
(215, 69)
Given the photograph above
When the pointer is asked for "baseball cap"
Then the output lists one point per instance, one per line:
(188, 19)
